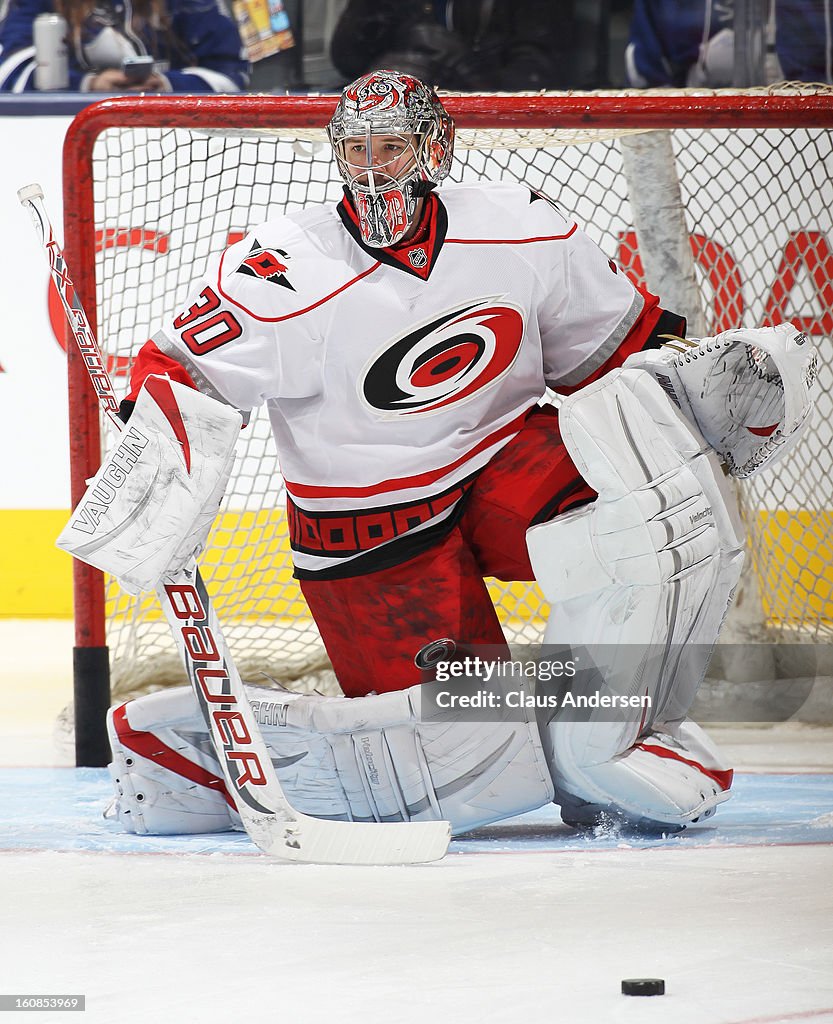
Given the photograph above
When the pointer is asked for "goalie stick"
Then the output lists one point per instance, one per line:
(271, 822)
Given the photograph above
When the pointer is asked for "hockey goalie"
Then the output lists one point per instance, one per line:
(401, 341)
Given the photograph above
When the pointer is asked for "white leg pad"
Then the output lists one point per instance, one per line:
(361, 759)
(640, 581)
(166, 777)
(668, 780)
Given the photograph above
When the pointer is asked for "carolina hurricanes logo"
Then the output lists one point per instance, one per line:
(267, 264)
(380, 92)
(446, 361)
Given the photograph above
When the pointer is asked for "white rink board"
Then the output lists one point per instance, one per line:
(33, 405)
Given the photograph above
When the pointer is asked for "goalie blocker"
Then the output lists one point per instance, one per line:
(148, 510)
(661, 543)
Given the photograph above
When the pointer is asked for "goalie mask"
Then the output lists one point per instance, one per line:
(393, 142)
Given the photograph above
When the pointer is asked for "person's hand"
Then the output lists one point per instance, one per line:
(115, 80)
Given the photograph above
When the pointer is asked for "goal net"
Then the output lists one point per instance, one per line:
(153, 186)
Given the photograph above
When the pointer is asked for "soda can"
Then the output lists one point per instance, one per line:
(51, 55)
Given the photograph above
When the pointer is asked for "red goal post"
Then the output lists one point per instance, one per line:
(152, 184)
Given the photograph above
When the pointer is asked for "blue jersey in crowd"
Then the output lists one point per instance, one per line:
(666, 37)
(201, 53)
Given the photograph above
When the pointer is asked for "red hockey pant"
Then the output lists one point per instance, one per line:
(374, 625)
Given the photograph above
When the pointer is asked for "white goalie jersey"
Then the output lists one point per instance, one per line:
(392, 376)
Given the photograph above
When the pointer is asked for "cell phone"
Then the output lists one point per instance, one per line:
(137, 69)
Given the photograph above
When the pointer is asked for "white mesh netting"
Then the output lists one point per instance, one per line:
(758, 211)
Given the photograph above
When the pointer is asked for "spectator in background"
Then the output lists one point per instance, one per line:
(196, 44)
(691, 43)
(681, 43)
(804, 39)
(469, 45)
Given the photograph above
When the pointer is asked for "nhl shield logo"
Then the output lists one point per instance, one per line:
(418, 258)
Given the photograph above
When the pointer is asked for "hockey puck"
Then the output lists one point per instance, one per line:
(643, 987)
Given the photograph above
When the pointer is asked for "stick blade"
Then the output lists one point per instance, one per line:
(318, 841)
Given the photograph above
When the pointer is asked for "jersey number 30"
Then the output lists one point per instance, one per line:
(202, 328)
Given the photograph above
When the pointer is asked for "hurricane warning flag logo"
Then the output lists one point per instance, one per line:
(267, 264)
(449, 360)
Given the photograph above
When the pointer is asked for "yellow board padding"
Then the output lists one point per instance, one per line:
(36, 577)
(249, 575)
(795, 567)
(247, 568)
(794, 563)
(796, 556)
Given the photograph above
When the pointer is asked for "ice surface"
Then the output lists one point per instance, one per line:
(522, 922)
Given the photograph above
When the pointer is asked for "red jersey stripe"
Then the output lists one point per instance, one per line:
(512, 241)
(300, 312)
(403, 482)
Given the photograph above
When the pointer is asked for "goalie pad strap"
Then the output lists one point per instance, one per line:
(355, 759)
(150, 506)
